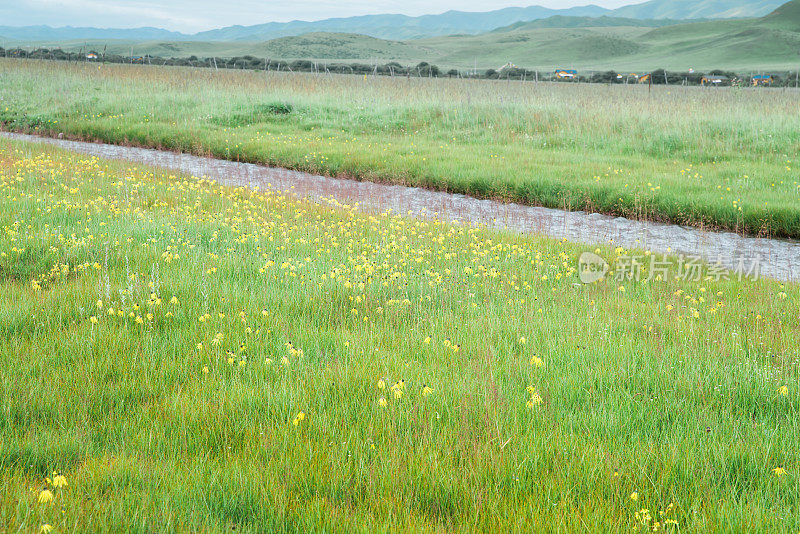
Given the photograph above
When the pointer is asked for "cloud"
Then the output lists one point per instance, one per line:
(127, 13)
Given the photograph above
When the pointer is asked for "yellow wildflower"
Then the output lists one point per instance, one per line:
(45, 496)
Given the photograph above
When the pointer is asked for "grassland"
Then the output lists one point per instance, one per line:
(721, 158)
(179, 356)
(740, 45)
(769, 42)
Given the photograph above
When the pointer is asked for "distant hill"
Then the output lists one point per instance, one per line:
(46, 33)
(560, 21)
(339, 46)
(586, 43)
(402, 27)
(786, 16)
(772, 41)
(698, 9)
(399, 26)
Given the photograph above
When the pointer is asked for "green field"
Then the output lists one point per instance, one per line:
(183, 357)
(717, 158)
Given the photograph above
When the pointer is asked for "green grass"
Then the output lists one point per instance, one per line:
(717, 158)
(668, 389)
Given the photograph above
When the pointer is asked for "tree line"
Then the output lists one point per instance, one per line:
(420, 70)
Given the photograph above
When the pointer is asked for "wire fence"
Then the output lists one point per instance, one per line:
(508, 72)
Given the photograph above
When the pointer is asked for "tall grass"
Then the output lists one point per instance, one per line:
(162, 335)
(721, 158)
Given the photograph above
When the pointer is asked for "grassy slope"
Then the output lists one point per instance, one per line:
(693, 9)
(688, 155)
(323, 46)
(560, 21)
(541, 48)
(705, 43)
(734, 44)
(339, 46)
(179, 414)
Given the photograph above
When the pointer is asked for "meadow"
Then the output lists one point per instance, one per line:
(181, 356)
(718, 158)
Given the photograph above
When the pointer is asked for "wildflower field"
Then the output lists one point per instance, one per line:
(181, 356)
(717, 157)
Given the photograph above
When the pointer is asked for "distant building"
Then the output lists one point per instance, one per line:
(711, 79)
(508, 65)
(566, 74)
(762, 79)
(638, 78)
(91, 55)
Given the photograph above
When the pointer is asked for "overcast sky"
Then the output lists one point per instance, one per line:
(195, 15)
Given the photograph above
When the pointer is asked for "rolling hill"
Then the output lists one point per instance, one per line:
(402, 27)
(586, 43)
(698, 9)
(769, 42)
(560, 21)
(541, 48)
(399, 26)
(786, 16)
(339, 46)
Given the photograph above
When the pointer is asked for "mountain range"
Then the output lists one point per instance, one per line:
(403, 27)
